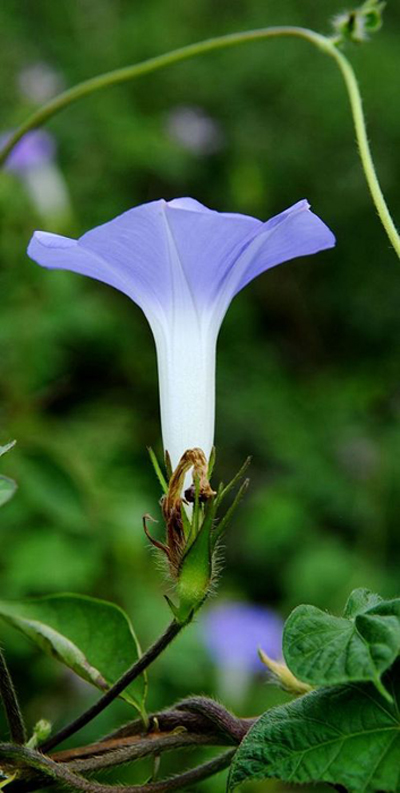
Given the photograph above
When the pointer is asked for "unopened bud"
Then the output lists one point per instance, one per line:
(357, 25)
(41, 732)
(282, 674)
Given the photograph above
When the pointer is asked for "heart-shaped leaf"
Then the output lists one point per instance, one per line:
(321, 649)
(93, 637)
(7, 489)
(344, 735)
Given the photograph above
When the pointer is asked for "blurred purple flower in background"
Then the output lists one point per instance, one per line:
(33, 162)
(35, 149)
(39, 82)
(183, 263)
(233, 632)
(194, 130)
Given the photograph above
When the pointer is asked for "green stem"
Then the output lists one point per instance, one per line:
(127, 678)
(364, 147)
(11, 705)
(324, 44)
(62, 775)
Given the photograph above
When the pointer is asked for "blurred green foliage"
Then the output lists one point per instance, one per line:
(308, 367)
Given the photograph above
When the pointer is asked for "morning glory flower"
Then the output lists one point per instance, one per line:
(233, 632)
(33, 161)
(35, 149)
(39, 82)
(183, 263)
(194, 130)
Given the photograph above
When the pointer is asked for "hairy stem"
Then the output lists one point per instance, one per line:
(143, 747)
(128, 677)
(61, 774)
(11, 704)
(323, 43)
(217, 715)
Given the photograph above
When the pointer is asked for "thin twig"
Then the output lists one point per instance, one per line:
(11, 704)
(148, 746)
(128, 677)
(64, 776)
(167, 720)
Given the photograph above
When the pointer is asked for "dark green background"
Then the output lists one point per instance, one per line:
(308, 363)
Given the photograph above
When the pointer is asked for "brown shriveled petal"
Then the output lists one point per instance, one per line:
(172, 502)
(160, 545)
(196, 459)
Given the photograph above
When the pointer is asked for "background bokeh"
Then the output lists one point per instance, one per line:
(308, 364)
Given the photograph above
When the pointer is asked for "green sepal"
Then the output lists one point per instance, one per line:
(179, 614)
(211, 462)
(194, 575)
(157, 468)
(223, 492)
(217, 534)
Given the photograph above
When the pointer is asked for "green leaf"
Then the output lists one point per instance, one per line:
(320, 649)
(7, 489)
(93, 637)
(360, 601)
(343, 735)
(7, 447)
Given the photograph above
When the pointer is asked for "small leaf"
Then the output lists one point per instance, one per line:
(324, 650)
(93, 637)
(342, 735)
(7, 489)
(360, 600)
(7, 447)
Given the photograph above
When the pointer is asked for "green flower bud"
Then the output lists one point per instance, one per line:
(358, 24)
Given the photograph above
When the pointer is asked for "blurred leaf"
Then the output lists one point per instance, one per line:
(79, 563)
(321, 649)
(92, 637)
(7, 447)
(343, 735)
(7, 489)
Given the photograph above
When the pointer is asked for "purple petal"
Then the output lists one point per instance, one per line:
(207, 244)
(295, 232)
(129, 253)
(181, 255)
(163, 256)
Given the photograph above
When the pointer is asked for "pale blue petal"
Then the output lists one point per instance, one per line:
(161, 255)
(207, 244)
(129, 253)
(295, 232)
(181, 255)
